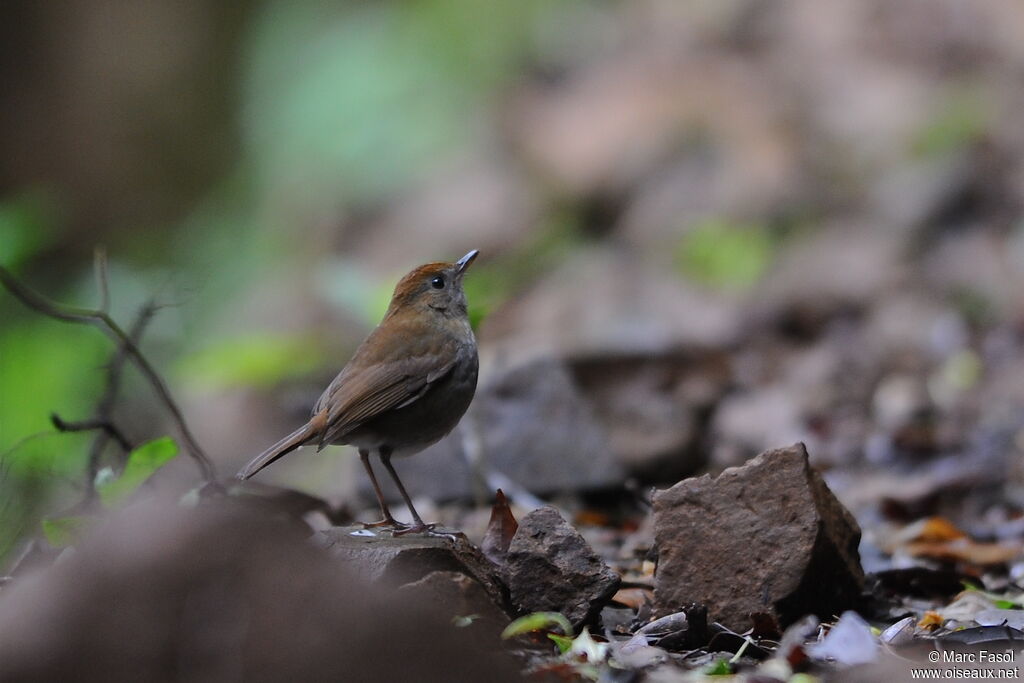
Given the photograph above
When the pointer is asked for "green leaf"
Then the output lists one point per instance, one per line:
(142, 463)
(721, 667)
(563, 642)
(537, 621)
(725, 255)
(63, 531)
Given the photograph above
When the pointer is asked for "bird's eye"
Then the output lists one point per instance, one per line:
(437, 282)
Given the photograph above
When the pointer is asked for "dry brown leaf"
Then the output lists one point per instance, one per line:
(931, 621)
(500, 530)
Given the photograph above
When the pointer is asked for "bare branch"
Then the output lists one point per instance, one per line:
(102, 282)
(106, 324)
(93, 424)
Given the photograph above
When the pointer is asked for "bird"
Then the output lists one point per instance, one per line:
(405, 387)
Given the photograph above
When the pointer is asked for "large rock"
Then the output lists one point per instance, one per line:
(654, 408)
(550, 568)
(393, 561)
(765, 537)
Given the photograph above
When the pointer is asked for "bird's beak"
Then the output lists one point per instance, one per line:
(463, 263)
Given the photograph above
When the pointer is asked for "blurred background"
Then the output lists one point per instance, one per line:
(706, 229)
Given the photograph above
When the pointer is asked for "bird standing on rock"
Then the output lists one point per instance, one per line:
(407, 386)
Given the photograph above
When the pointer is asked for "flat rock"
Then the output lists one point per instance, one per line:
(392, 561)
(550, 568)
(766, 537)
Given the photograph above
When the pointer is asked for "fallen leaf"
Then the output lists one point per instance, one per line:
(931, 621)
(849, 642)
(633, 597)
(537, 621)
(932, 529)
(967, 551)
(500, 530)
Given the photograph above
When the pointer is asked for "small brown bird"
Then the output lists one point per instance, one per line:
(407, 385)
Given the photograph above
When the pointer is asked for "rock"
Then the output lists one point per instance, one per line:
(393, 561)
(746, 423)
(839, 268)
(653, 408)
(550, 568)
(462, 599)
(766, 537)
(604, 301)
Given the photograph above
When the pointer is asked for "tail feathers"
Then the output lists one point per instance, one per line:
(283, 447)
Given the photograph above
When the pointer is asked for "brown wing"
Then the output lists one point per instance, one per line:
(377, 389)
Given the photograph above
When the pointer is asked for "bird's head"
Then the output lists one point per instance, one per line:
(434, 287)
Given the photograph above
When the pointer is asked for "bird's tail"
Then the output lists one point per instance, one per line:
(282, 447)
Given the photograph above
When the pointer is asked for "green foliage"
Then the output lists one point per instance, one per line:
(46, 367)
(725, 255)
(64, 531)
(720, 667)
(564, 643)
(538, 621)
(143, 462)
(959, 122)
(253, 361)
(348, 103)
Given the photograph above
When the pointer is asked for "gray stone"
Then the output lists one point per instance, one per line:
(550, 568)
(653, 408)
(392, 561)
(766, 537)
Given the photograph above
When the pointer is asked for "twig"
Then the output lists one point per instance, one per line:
(106, 427)
(102, 283)
(106, 324)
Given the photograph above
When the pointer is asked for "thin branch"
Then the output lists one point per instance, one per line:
(105, 323)
(102, 282)
(95, 424)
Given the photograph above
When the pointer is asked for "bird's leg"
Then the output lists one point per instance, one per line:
(388, 520)
(418, 524)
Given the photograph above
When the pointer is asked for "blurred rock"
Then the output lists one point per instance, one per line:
(654, 407)
(765, 537)
(160, 593)
(392, 561)
(749, 422)
(826, 273)
(550, 568)
(604, 301)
